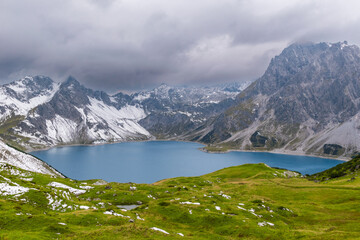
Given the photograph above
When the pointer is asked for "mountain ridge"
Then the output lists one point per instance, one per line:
(74, 114)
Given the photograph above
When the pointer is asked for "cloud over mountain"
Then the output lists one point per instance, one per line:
(137, 44)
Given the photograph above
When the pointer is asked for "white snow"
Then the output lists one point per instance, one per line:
(187, 202)
(150, 196)
(262, 224)
(24, 161)
(139, 218)
(7, 189)
(110, 112)
(160, 230)
(121, 123)
(224, 195)
(61, 129)
(111, 212)
(72, 190)
(141, 97)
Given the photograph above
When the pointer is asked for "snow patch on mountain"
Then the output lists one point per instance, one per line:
(61, 129)
(110, 112)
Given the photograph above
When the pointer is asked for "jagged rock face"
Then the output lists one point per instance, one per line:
(321, 82)
(306, 90)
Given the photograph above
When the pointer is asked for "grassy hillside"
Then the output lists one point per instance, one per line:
(251, 201)
(350, 168)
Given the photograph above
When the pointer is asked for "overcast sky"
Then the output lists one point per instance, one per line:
(135, 44)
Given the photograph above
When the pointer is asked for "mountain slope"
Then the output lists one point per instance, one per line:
(13, 157)
(307, 101)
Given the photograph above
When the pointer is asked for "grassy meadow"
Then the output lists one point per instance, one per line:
(251, 201)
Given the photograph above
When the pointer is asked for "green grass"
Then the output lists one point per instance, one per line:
(298, 208)
(351, 167)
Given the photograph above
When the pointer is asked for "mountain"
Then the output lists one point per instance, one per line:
(37, 112)
(307, 101)
(174, 113)
(76, 114)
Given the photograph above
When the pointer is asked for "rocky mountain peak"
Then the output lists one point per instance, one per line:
(70, 82)
(301, 62)
(308, 90)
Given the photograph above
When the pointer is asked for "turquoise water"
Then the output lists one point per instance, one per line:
(148, 162)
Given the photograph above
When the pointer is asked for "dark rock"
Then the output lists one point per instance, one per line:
(333, 149)
(257, 140)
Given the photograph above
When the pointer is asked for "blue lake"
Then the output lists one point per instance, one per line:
(148, 162)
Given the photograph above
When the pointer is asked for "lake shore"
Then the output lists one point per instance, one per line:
(276, 151)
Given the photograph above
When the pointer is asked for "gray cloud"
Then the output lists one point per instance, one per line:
(130, 44)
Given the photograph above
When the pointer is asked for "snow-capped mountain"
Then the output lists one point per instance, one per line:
(37, 112)
(19, 97)
(76, 114)
(176, 112)
(307, 101)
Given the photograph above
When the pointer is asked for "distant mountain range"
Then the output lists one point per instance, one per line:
(307, 101)
(36, 112)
